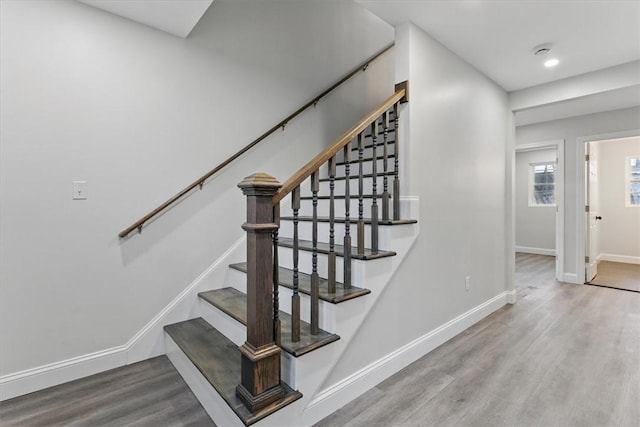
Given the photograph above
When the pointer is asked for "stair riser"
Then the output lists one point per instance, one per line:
(327, 310)
(305, 232)
(327, 314)
(224, 323)
(358, 267)
(354, 168)
(353, 188)
(306, 208)
(285, 258)
(368, 152)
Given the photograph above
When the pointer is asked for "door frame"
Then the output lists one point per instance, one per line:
(558, 145)
(580, 219)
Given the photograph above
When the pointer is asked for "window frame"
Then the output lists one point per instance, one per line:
(628, 179)
(531, 201)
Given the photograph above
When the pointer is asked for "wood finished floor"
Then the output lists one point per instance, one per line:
(618, 275)
(149, 393)
(563, 355)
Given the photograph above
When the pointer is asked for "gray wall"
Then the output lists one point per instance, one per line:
(139, 114)
(535, 226)
(456, 163)
(570, 130)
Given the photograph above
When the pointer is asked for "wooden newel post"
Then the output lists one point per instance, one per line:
(260, 384)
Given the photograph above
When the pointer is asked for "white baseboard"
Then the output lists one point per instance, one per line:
(537, 251)
(511, 296)
(626, 259)
(359, 382)
(145, 344)
(30, 380)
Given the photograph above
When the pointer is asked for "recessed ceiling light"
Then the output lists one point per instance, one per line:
(550, 63)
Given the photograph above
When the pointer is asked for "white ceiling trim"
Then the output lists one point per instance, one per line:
(177, 17)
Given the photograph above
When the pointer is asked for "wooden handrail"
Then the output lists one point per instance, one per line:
(306, 171)
(281, 125)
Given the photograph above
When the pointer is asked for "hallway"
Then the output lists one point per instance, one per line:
(563, 355)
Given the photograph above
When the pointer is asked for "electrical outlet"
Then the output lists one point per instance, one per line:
(79, 190)
(467, 283)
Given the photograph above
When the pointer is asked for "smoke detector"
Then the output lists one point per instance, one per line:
(542, 50)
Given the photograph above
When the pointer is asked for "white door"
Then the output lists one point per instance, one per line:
(591, 211)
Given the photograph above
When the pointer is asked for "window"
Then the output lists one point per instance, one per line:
(542, 184)
(633, 181)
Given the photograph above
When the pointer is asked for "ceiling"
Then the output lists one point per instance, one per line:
(498, 37)
(177, 17)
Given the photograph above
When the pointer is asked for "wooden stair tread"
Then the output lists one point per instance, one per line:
(356, 176)
(341, 220)
(218, 360)
(304, 285)
(306, 245)
(234, 303)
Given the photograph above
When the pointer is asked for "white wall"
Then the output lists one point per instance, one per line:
(458, 126)
(535, 226)
(139, 114)
(619, 230)
(570, 130)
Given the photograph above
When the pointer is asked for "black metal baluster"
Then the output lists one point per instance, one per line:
(331, 269)
(276, 277)
(360, 194)
(315, 308)
(385, 159)
(396, 165)
(295, 298)
(374, 188)
(347, 222)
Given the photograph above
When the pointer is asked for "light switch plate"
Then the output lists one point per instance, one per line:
(79, 190)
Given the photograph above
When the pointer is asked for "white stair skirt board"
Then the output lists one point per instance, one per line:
(537, 251)
(211, 401)
(328, 400)
(625, 259)
(145, 344)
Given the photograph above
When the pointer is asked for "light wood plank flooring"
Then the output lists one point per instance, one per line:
(563, 355)
(618, 275)
(149, 393)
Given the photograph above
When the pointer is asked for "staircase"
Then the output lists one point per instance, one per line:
(250, 349)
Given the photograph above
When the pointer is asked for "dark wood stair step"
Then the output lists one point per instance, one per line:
(341, 220)
(304, 285)
(218, 360)
(366, 159)
(234, 303)
(323, 248)
(356, 176)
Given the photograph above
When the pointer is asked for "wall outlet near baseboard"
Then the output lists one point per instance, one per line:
(467, 283)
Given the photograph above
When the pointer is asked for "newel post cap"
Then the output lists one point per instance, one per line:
(259, 182)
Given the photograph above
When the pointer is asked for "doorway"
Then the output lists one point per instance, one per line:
(539, 201)
(611, 213)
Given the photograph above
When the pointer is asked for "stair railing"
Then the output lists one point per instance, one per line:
(200, 182)
(368, 127)
(260, 383)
